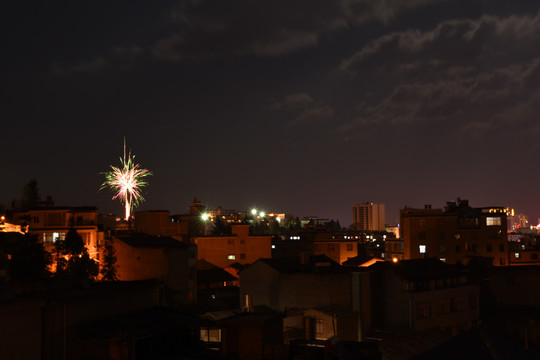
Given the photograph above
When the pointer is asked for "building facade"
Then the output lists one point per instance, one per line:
(455, 234)
(240, 247)
(51, 224)
(368, 216)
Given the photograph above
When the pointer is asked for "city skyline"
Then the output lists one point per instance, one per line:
(298, 107)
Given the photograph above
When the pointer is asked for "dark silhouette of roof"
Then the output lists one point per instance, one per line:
(478, 344)
(291, 265)
(150, 241)
(420, 269)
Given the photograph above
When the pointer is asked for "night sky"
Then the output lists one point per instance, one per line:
(296, 106)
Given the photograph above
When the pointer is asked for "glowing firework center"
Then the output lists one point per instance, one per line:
(126, 181)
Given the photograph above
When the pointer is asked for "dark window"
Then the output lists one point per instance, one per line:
(242, 256)
(472, 301)
(423, 310)
(458, 248)
(349, 247)
(422, 235)
(442, 249)
(501, 247)
(489, 248)
(230, 241)
(534, 256)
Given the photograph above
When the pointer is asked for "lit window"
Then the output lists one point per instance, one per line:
(231, 257)
(517, 255)
(493, 221)
(422, 249)
(273, 246)
(319, 326)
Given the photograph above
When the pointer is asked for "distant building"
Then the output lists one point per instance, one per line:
(455, 234)
(159, 223)
(368, 216)
(339, 248)
(240, 247)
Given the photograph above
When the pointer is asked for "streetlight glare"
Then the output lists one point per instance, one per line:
(205, 216)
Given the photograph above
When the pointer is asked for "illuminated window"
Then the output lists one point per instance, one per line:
(273, 246)
(319, 326)
(231, 257)
(517, 255)
(422, 249)
(493, 221)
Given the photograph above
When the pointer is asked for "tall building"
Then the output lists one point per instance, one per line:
(368, 216)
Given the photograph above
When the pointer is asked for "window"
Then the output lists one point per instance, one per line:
(442, 249)
(331, 247)
(517, 255)
(231, 257)
(422, 235)
(422, 249)
(493, 221)
(501, 247)
(534, 256)
(458, 248)
(230, 241)
(243, 256)
(423, 311)
(242, 241)
(501, 261)
(472, 301)
(489, 248)
(319, 326)
(349, 247)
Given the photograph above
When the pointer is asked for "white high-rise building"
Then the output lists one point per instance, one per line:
(368, 216)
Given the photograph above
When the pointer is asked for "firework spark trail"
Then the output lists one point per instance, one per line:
(127, 182)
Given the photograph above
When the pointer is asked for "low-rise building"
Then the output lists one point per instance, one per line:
(240, 247)
(52, 224)
(141, 257)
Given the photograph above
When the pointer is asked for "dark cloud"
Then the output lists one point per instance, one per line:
(293, 101)
(453, 48)
(303, 109)
(478, 75)
(95, 65)
(207, 29)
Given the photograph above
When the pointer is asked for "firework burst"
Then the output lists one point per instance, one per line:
(126, 181)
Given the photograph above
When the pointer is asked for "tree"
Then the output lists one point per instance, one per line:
(24, 257)
(30, 194)
(220, 228)
(73, 261)
(108, 269)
